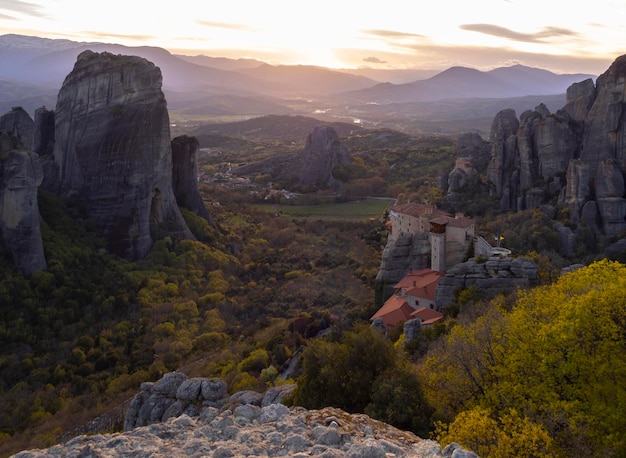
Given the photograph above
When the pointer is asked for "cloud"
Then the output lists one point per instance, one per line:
(224, 25)
(117, 36)
(374, 60)
(391, 33)
(30, 9)
(502, 32)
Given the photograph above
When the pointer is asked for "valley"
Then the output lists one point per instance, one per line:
(232, 221)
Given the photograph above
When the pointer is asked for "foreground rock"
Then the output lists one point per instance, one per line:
(249, 430)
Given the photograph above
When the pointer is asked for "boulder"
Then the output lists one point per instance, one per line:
(113, 151)
(411, 329)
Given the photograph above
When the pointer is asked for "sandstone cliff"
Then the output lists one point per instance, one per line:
(112, 150)
(185, 176)
(20, 176)
(576, 156)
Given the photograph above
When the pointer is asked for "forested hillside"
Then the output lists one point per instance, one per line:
(80, 338)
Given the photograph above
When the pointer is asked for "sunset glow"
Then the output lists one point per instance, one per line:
(349, 34)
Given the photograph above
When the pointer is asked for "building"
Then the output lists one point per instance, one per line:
(414, 297)
(449, 236)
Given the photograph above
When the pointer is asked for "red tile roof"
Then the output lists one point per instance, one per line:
(395, 310)
(433, 214)
(420, 283)
(428, 316)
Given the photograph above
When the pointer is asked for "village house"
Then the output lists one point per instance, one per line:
(414, 297)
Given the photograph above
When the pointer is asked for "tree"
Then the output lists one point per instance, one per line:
(554, 359)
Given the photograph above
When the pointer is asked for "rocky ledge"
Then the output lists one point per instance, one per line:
(194, 417)
(250, 430)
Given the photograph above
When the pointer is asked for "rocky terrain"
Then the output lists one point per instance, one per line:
(575, 156)
(244, 424)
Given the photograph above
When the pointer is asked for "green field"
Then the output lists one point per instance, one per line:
(349, 211)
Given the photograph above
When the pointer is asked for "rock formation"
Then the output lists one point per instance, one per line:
(20, 125)
(577, 155)
(43, 132)
(404, 253)
(246, 426)
(185, 176)
(322, 153)
(20, 176)
(113, 151)
(309, 169)
(492, 277)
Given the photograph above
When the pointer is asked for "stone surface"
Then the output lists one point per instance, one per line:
(43, 132)
(503, 156)
(20, 125)
(257, 431)
(20, 176)
(605, 123)
(113, 151)
(492, 277)
(321, 154)
(185, 176)
(579, 99)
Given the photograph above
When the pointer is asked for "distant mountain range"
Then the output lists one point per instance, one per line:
(34, 68)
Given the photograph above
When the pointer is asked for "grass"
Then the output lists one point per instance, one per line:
(349, 211)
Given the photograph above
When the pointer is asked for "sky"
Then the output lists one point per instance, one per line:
(557, 35)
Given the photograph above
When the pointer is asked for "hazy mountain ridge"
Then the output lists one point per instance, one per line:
(462, 82)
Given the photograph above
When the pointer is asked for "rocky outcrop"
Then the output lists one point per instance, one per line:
(113, 151)
(43, 132)
(19, 125)
(236, 427)
(502, 170)
(401, 254)
(176, 394)
(322, 153)
(605, 125)
(576, 156)
(185, 176)
(492, 277)
(270, 431)
(309, 169)
(20, 176)
(579, 99)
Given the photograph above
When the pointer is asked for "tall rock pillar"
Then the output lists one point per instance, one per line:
(113, 151)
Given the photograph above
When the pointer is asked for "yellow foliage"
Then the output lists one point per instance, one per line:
(557, 356)
(504, 437)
